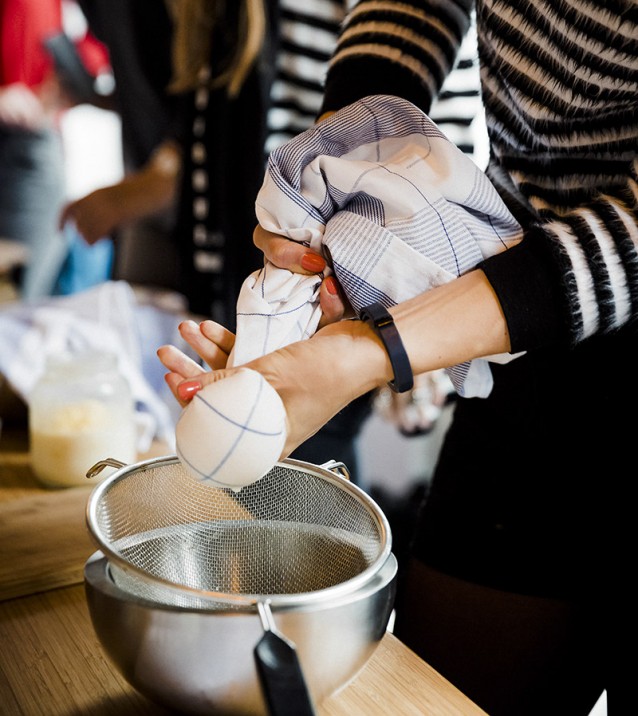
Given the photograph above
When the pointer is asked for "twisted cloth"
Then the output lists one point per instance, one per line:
(393, 206)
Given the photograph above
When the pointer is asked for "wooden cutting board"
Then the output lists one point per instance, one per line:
(44, 542)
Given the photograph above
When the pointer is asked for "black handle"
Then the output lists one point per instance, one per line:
(281, 678)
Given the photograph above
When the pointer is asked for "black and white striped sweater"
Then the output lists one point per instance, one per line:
(560, 89)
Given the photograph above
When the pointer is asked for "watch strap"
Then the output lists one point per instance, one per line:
(383, 324)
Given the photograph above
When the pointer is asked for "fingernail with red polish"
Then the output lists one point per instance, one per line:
(188, 389)
(332, 287)
(313, 262)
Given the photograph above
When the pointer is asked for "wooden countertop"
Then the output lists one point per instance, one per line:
(51, 663)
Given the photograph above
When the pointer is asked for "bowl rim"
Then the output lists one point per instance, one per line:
(98, 576)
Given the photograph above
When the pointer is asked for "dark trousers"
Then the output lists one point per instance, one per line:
(520, 577)
(32, 193)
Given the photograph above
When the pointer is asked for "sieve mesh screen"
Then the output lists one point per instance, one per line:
(298, 529)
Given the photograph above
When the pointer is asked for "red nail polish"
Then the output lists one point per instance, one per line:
(332, 287)
(188, 389)
(313, 262)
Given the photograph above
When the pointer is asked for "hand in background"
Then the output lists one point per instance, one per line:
(21, 108)
(96, 215)
(149, 191)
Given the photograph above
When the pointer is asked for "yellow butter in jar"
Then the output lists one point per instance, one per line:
(81, 411)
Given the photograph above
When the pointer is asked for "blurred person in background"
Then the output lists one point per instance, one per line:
(244, 77)
(138, 35)
(32, 171)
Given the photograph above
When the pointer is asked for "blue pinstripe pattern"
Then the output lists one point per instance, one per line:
(394, 205)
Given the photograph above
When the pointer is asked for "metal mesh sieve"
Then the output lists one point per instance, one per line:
(299, 534)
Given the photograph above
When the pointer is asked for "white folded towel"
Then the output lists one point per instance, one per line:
(394, 207)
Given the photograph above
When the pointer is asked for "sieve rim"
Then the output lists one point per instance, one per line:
(249, 600)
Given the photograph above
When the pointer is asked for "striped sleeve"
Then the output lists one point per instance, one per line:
(308, 34)
(402, 48)
(307, 37)
(574, 276)
(560, 87)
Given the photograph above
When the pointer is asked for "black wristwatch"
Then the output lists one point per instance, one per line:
(383, 324)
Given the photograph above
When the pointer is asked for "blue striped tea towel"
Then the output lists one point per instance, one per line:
(394, 206)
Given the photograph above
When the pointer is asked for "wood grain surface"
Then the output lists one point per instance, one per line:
(51, 662)
(55, 667)
(44, 542)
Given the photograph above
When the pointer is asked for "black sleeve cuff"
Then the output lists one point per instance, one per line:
(362, 77)
(526, 282)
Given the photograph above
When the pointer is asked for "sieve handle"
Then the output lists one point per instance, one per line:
(339, 468)
(280, 675)
(99, 466)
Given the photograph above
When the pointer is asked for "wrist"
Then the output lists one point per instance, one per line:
(359, 357)
(382, 323)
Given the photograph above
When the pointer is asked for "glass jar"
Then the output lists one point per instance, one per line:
(81, 411)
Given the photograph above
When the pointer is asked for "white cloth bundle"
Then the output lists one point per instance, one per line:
(394, 207)
(106, 317)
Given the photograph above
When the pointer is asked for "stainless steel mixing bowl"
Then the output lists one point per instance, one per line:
(201, 661)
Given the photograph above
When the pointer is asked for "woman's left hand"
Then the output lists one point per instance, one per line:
(296, 257)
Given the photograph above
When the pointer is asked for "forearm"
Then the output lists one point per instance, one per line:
(154, 188)
(451, 324)
(399, 48)
(318, 377)
(457, 322)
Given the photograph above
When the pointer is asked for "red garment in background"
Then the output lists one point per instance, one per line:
(93, 53)
(24, 25)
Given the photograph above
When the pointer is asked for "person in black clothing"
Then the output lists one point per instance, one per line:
(138, 35)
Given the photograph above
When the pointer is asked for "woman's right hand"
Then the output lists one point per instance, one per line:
(315, 378)
(296, 257)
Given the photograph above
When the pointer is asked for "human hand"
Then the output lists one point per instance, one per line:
(143, 193)
(212, 343)
(21, 108)
(296, 257)
(95, 215)
(310, 393)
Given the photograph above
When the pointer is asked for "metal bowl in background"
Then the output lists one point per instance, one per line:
(201, 661)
